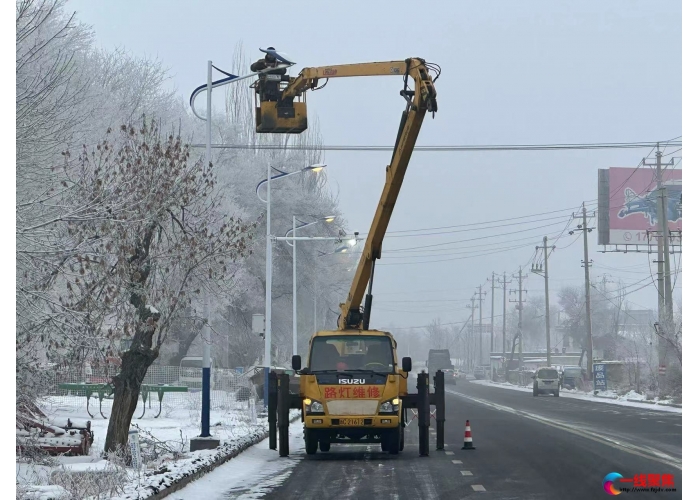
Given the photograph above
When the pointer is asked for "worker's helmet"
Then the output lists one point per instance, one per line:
(269, 57)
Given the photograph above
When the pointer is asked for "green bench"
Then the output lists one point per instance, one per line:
(161, 390)
(104, 390)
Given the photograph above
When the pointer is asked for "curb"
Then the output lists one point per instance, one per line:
(208, 468)
(605, 397)
(644, 401)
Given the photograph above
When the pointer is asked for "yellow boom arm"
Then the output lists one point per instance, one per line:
(420, 100)
(285, 115)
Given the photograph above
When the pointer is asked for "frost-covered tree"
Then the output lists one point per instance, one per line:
(154, 239)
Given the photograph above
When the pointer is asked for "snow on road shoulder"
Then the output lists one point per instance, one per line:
(250, 475)
(631, 399)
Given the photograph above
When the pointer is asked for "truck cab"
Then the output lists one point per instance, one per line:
(351, 390)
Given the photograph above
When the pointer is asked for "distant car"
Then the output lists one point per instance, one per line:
(450, 377)
(546, 379)
(479, 373)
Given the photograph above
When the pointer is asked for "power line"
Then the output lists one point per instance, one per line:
(478, 238)
(449, 148)
(493, 221)
(507, 249)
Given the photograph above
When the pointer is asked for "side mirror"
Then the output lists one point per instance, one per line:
(406, 364)
(296, 362)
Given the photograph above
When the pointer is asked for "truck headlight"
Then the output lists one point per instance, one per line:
(391, 406)
(313, 407)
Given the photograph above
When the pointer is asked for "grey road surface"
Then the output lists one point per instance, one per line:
(526, 448)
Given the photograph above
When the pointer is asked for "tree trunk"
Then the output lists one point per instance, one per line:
(127, 387)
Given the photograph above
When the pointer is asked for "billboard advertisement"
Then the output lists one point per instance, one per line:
(627, 203)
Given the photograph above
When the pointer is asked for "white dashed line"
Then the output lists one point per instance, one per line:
(456, 461)
(678, 425)
(467, 473)
(449, 453)
(478, 487)
(661, 421)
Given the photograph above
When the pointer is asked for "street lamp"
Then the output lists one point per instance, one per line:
(268, 260)
(327, 219)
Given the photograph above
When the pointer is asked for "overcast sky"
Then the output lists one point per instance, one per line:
(513, 72)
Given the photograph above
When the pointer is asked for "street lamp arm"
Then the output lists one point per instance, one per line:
(278, 176)
(313, 168)
(230, 78)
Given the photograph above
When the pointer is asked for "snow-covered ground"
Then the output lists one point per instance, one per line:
(630, 399)
(250, 475)
(179, 421)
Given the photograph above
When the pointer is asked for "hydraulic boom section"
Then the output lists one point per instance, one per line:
(286, 114)
(419, 100)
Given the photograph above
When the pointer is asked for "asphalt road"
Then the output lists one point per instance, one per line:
(526, 448)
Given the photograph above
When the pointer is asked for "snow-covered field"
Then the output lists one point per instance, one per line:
(233, 423)
(630, 399)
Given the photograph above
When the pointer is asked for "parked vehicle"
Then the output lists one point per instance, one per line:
(571, 377)
(479, 373)
(546, 379)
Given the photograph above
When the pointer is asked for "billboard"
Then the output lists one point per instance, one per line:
(627, 205)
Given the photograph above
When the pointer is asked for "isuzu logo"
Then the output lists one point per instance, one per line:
(351, 381)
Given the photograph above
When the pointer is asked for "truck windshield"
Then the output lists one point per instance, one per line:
(348, 352)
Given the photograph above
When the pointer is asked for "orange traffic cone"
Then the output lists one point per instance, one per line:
(468, 438)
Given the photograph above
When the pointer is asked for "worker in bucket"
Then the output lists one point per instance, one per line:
(268, 88)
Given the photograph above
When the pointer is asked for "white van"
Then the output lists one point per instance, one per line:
(190, 373)
(546, 379)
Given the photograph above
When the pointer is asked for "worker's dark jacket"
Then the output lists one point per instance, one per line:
(269, 91)
(260, 65)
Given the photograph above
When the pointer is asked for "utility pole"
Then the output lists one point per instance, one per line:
(520, 318)
(538, 270)
(520, 301)
(493, 296)
(586, 265)
(663, 256)
(505, 302)
(472, 307)
(481, 333)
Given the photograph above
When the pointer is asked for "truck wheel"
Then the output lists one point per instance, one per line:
(384, 445)
(324, 445)
(310, 442)
(394, 441)
(402, 440)
(534, 392)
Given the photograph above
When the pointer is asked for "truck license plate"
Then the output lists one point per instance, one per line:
(355, 422)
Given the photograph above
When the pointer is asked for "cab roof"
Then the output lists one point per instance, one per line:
(360, 333)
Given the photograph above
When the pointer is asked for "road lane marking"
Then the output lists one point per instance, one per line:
(456, 461)
(677, 425)
(467, 473)
(478, 487)
(449, 453)
(644, 452)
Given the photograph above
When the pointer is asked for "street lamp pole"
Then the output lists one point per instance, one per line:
(206, 337)
(294, 270)
(294, 286)
(268, 263)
